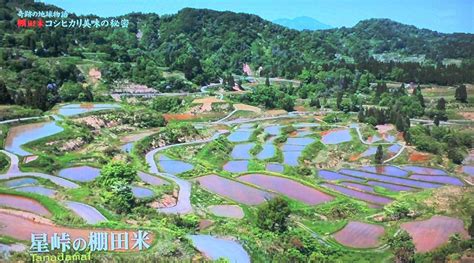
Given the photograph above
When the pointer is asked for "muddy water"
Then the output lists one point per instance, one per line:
(23, 134)
(23, 203)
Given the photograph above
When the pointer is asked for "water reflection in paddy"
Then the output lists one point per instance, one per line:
(242, 151)
(385, 169)
(236, 166)
(275, 167)
(80, 173)
(21, 182)
(336, 136)
(142, 192)
(173, 166)
(75, 109)
(216, 248)
(23, 134)
(240, 135)
(273, 130)
(37, 190)
(268, 151)
(291, 158)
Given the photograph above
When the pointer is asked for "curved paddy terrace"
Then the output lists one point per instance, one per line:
(287, 187)
(24, 204)
(432, 233)
(23, 134)
(360, 235)
(80, 173)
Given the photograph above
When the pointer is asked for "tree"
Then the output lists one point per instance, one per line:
(441, 105)
(273, 215)
(339, 100)
(436, 120)
(403, 247)
(379, 155)
(70, 91)
(5, 97)
(165, 104)
(461, 93)
(471, 227)
(314, 102)
(116, 171)
(267, 81)
(119, 197)
(361, 115)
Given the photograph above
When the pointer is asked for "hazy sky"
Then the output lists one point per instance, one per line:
(440, 15)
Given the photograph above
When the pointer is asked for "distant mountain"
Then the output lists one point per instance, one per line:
(302, 23)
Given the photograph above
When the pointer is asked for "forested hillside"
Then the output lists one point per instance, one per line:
(207, 45)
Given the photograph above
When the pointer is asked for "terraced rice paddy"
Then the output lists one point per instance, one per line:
(268, 151)
(306, 125)
(41, 190)
(369, 152)
(469, 170)
(434, 232)
(151, 179)
(300, 141)
(127, 147)
(215, 248)
(275, 167)
(90, 214)
(391, 187)
(291, 158)
(75, 109)
(389, 179)
(142, 192)
(288, 187)
(359, 195)
(385, 169)
(233, 190)
(242, 151)
(424, 170)
(236, 166)
(293, 149)
(273, 130)
(240, 135)
(359, 187)
(24, 204)
(394, 148)
(80, 173)
(360, 235)
(333, 176)
(231, 211)
(23, 134)
(173, 167)
(438, 179)
(303, 133)
(336, 136)
(21, 182)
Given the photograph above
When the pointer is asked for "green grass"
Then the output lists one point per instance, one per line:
(4, 163)
(325, 227)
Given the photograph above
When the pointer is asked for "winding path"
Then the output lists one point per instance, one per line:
(183, 206)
